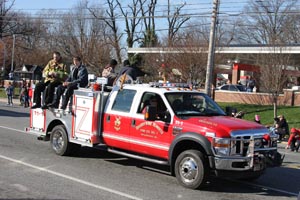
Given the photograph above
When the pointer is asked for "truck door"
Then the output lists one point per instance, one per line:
(117, 120)
(150, 137)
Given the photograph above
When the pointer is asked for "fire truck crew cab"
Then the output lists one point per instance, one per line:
(185, 129)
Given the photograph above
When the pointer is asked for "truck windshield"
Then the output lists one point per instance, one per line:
(193, 104)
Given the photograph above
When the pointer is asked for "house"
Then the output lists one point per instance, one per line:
(28, 72)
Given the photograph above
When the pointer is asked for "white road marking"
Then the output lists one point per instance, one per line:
(71, 178)
(13, 129)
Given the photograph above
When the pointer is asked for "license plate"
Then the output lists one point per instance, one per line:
(257, 164)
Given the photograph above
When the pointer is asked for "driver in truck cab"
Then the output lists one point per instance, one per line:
(154, 101)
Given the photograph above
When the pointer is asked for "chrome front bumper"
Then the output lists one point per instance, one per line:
(255, 163)
(247, 152)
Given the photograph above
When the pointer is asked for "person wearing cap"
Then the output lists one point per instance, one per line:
(294, 140)
(281, 126)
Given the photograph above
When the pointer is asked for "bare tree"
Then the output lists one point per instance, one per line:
(265, 21)
(79, 33)
(175, 22)
(273, 75)
(132, 17)
(12, 23)
(30, 46)
(110, 18)
(6, 18)
(150, 38)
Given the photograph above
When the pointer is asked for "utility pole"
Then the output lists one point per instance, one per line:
(211, 49)
(13, 54)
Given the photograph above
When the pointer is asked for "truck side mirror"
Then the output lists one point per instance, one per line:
(150, 114)
(167, 117)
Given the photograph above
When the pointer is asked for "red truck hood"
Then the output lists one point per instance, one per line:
(220, 125)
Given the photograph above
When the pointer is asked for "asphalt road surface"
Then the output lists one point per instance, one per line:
(30, 170)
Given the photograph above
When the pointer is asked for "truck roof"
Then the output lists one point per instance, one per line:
(162, 88)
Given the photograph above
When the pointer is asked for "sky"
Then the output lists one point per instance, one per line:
(191, 7)
(198, 9)
(35, 5)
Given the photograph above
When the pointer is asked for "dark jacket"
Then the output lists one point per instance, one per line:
(79, 75)
(132, 71)
(283, 127)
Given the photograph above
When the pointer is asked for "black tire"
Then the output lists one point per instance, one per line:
(191, 169)
(59, 141)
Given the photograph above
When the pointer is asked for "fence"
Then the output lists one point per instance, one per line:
(288, 98)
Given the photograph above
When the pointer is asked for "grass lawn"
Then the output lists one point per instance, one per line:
(3, 95)
(292, 114)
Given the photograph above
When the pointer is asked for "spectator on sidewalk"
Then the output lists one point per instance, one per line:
(11, 75)
(250, 84)
(281, 127)
(9, 90)
(294, 140)
(257, 119)
(25, 94)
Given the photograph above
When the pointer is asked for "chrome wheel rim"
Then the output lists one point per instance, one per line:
(188, 169)
(58, 141)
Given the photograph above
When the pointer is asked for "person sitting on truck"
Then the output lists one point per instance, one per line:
(109, 72)
(54, 73)
(78, 76)
(132, 70)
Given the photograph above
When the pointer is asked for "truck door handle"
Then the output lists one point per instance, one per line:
(133, 123)
(108, 118)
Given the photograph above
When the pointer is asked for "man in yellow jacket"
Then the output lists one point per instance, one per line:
(54, 73)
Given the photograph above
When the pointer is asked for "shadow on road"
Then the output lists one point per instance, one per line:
(12, 113)
(219, 185)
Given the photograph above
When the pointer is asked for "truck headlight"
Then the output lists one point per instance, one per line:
(221, 146)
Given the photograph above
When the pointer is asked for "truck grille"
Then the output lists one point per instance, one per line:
(247, 142)
(239, 145)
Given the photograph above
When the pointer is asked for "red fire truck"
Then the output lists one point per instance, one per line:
(168, 124)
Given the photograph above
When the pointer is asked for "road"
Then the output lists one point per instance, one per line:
(30, 170)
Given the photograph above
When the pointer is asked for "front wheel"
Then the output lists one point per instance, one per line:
(191, 169)
(59, 141)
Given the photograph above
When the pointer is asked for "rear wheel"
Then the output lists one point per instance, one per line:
(191, 169)
(59, 141)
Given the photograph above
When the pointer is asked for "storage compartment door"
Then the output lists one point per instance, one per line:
(83, 118)
(38, 119)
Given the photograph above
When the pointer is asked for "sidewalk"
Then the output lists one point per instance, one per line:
(16, 101)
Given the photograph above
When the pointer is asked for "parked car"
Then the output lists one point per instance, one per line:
(232, 87)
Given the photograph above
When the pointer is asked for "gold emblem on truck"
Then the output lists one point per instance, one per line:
(117, 123)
